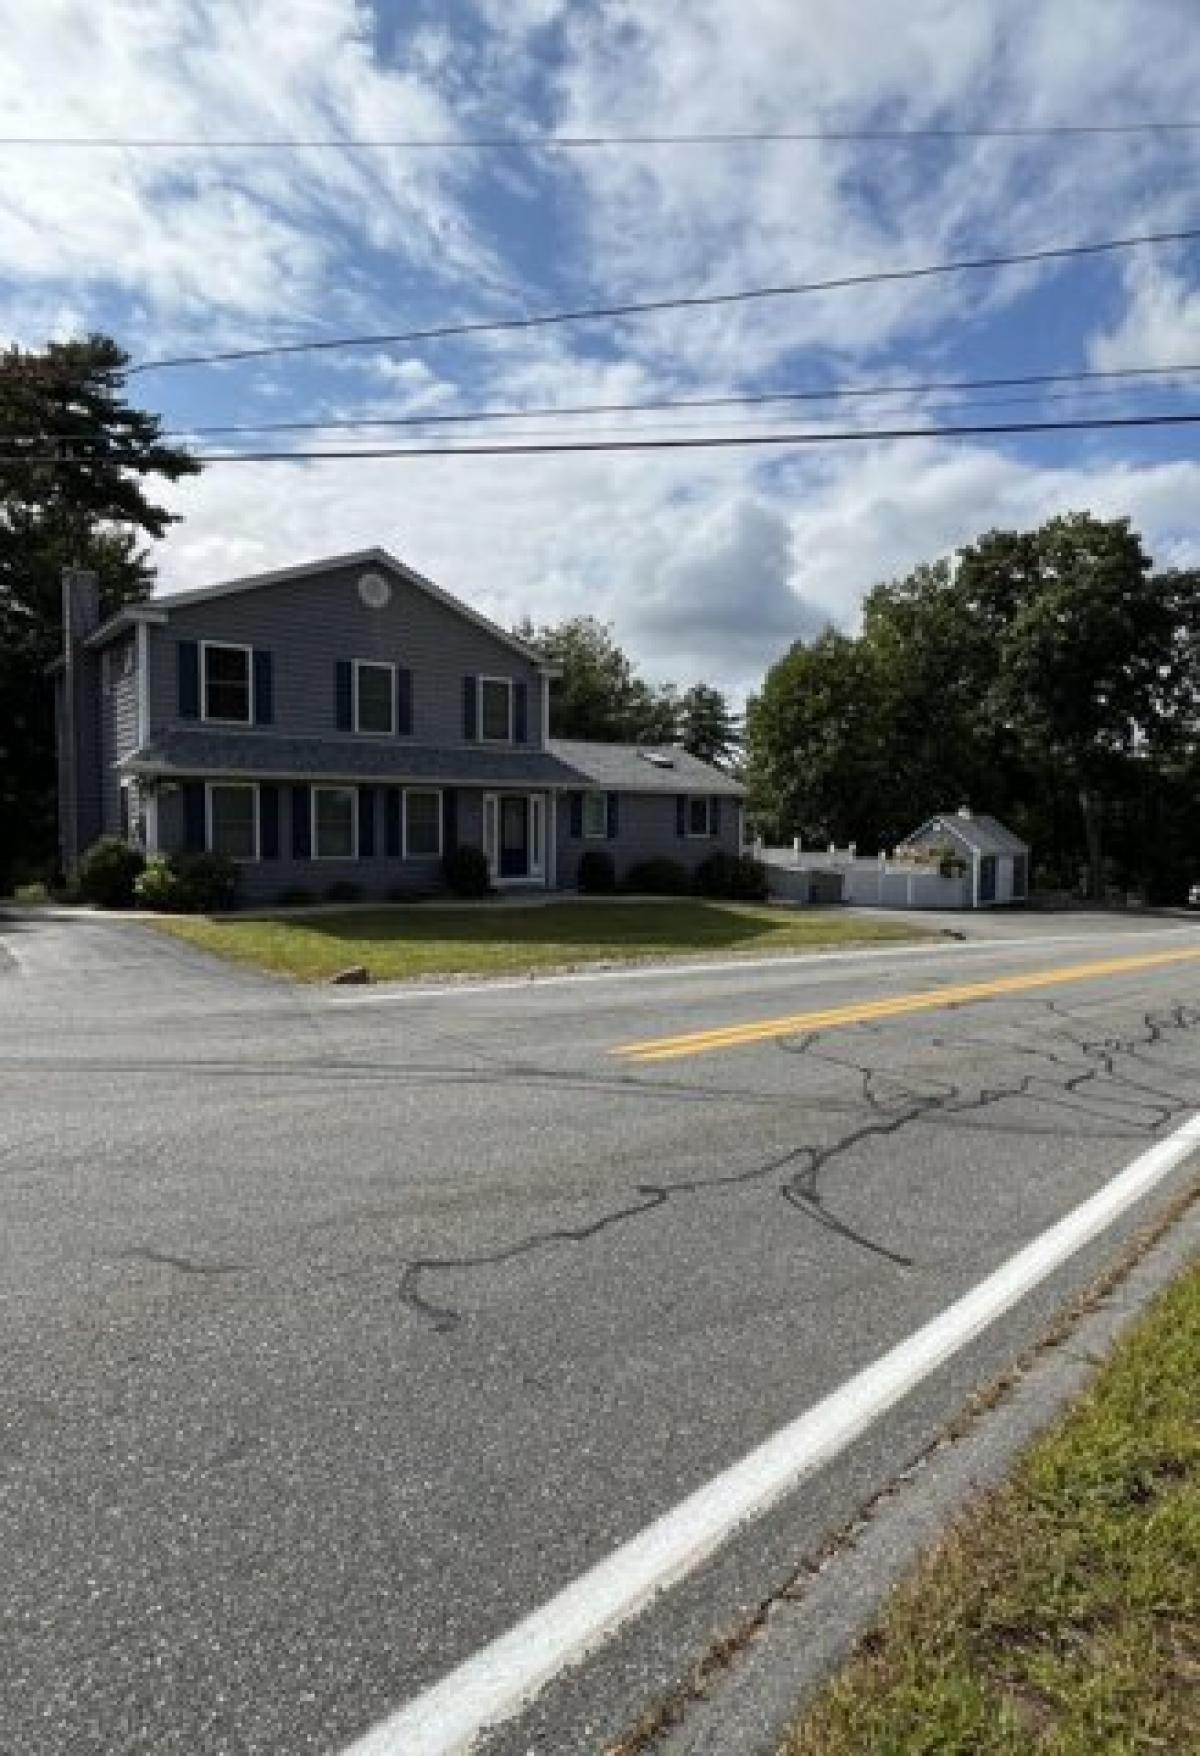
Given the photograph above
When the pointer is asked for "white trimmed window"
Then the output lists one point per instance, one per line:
(496, 710)
(334, 823)
(232, 821)
(422, 825)
(375, 698)
(227, 682)
(595, 816)
(699, 817)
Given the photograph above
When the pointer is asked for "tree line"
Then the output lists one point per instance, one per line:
(1050, 677)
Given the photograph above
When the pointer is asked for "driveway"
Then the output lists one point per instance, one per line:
(343, 1329)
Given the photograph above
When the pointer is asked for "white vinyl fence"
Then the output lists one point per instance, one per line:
(842, 876)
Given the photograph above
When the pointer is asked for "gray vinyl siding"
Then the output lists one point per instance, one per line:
(309, 624)
(646, 829)
(264, 881)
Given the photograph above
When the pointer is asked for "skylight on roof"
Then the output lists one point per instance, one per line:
(658, 758)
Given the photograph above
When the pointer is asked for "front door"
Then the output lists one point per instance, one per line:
(514, 836)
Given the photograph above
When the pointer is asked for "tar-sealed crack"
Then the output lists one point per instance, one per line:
(1111, 1096)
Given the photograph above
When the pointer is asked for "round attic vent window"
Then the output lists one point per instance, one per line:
(374, 590)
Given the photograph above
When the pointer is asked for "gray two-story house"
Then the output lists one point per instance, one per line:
(347, 720)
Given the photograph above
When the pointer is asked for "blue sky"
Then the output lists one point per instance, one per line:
(707, 564)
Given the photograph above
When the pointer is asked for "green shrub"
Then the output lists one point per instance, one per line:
(658, 877)
(466, 872)
(107, 872)
(296, 896)
(750, 880)
(344, 890)
(205, 883)
(597, 876)
(739, 878)
(157, 885)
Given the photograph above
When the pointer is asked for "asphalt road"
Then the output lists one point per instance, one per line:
(341, 1329)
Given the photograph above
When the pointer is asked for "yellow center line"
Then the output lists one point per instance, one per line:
(732, 1036)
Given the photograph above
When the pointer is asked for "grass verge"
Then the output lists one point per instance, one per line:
(1063, 1614)
(424, 941)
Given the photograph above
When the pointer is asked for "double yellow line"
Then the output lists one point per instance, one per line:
(734, 1036)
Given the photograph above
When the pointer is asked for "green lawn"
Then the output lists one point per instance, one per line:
(422, 941)
(1064, 1615)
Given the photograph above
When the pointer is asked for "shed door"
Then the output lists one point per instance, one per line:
(987, 878)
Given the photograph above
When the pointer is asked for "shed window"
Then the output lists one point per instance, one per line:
(227, 683)
(334, 820)
(375, 698)
(595, 816)
(233, 820)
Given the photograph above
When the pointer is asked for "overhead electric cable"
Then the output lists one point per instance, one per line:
(699, 442)
(550, 142)
(693, 301)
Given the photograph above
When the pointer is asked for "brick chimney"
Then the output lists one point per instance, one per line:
(78, 749)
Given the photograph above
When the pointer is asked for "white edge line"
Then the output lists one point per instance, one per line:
(814, 959)
(503, 1677)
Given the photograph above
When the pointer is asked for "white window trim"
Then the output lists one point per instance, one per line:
(537, 835)
(374, 665)
(706, 833)
(226, 646)
(354, 819)
(427, 792)
(508, 684)
(594, 834)
(245, 786)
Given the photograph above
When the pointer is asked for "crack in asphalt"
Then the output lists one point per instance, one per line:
(807, 1162)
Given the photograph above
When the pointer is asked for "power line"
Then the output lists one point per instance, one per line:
(531, 142)
(694, 301)
(653, 405)
(700, 442)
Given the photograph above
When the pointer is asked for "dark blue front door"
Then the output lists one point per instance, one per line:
(514, 837)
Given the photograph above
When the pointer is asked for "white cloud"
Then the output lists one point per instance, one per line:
(1160, 325)
(706, 563)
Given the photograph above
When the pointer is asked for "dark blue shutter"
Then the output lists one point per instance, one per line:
(268, 822)
(612, 817)
(576, 815)
(301, 823)
(343, 689)
(366, 822)
(449, 820)
(681, 815)
(470, 708)
(193, 816)
(716, 816)
(404, 717)
(264, 689)
(520, 713)
(391, 823)
(189, 679)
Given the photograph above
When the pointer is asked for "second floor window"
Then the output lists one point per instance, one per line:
(495, 710)
(228, 689)
(375, 698)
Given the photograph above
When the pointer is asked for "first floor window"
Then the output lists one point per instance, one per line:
(333, 823)
(375, 699)
(227, 683)
(233, 821)
(422, 825)
(699, 817)
(595, 816)
(495, 710)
